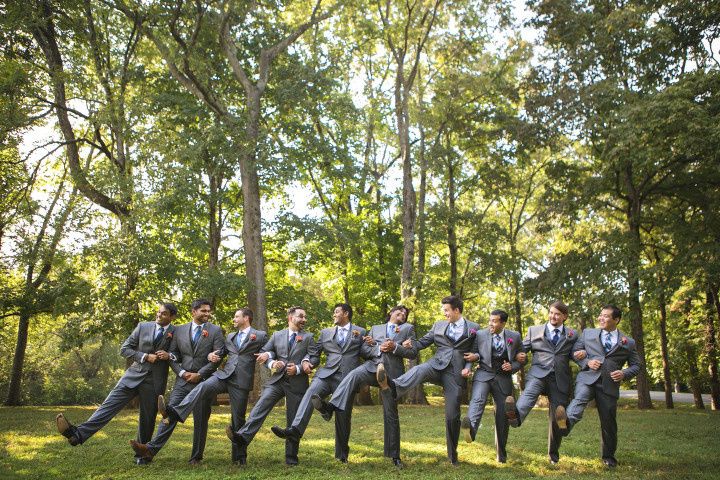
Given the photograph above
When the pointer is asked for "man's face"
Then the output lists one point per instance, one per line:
(406, 314)
(606, 320)
(297, 320)
(163, 317)
(556, 317)
(240, 321)
(451, 314)
(397, 317)
(201, 314)
(495, 324)
(340, 317)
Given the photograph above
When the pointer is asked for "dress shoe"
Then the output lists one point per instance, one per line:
(610, 462)
(291, 464)
(343, 460)
(162, 410)
(561, 420)
(502, 459)
(322, 406)
(398, 463)
(291, 433)
(67, 430)
(240, 462)
(141, 450)
(381, 376)
(194, 461)
(511, 413)
(553, 459)
(466, 426)
(455, 463)
(142, 461)
(234, 437)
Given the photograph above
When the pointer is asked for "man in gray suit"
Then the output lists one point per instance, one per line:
(453, 338)
(235, 378)
(606, 350)
(342, 345)
(148, 346)
(282, 354)
(191, 345)
(386, 353)
(552, 346)
(495, 348)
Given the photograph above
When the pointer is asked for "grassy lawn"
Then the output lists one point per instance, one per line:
(653, 444)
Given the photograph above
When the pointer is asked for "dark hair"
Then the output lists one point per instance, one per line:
(200, 302)
(293, 309)
(454, 301)
(170, 307)
(616, 313)
(345, 308)
(246, 312)
(395, 309)
(560, 306)
(500, 313)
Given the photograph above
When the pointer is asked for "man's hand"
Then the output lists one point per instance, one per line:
(151, 357)
(407, 343)
(465, 372)
(617, 375)
(262, 357)
(291, 369)
(162, 355)
(278, 365)
(506, 366)
(307, 367)
(369, 340)
(214, 357)
(388, 346)
(471, 357)
(580, 355)
(521, 357)
(595, 365)
(192, 377)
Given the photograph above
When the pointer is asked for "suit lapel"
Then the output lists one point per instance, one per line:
(348, 338)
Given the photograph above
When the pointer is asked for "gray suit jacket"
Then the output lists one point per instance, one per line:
(392, 361)
(449, 352)
(240, 365)
(183, 356)
(342, 360)
(548, 358)
(623, 351)
(139, 343)
(278, 346)
(483, 346)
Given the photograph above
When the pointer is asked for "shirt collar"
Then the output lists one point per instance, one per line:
(501, 333)
(345, 327)
(245, 330)
(551, 329)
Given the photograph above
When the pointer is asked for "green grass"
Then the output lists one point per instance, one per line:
(680, 443)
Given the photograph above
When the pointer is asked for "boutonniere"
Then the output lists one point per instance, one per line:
(510, 341)
(253, 337)
(169, 335)
(397, 329)
(356, 333)
(204, 333)
(624, 340)
(298, 338)
(571, 332)
(473, 332)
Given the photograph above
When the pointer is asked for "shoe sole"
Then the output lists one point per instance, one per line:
(511, 411)
(62, 424)
(466, 427)
(561, 418)
(381, 377)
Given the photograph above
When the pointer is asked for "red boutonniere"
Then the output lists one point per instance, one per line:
(253, 337)
(397, 329)
(624, 340)
(169, 335)
(204, 333)
(473, 332)
(571, 332)
(510, 342)
(298, 338)
(356, 333)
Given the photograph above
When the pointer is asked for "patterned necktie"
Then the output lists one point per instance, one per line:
(608, 343)
(291, 342)
(196, 335)
(556, 337)
(159, 336)
(391, 331)
(498, 343)
(341, 334)
(452, 332)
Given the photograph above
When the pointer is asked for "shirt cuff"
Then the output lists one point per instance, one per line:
(182, 372)
(142, 360)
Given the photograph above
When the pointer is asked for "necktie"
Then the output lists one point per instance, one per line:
(239, 338)
(556, 337)
(608, 344)
(291, 342)
(196, 335)
(341, 336)
(498, 343)
(452, 332)
(159, 336)
(391, 331)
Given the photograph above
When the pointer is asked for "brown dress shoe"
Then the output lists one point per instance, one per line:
(141, 450)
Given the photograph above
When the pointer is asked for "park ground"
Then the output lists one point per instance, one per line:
(658, 443)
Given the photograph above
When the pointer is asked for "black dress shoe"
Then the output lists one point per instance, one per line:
(502, 459)
(398, 463)
(322, 406)
(234, 437)
(553, 459)
(142, 461)
(610, 462)
(67, 430)
(343, 460)
(194, 461)
(511, 413)
(291, 433)
(240, 462)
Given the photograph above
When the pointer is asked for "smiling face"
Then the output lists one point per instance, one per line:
(556, 317)
(163, 317)
(495, 324)
(297, 320)
(606, 320)
(240, 321)
(340, 317)
(201, 314)
(451, 314)
(398, 316)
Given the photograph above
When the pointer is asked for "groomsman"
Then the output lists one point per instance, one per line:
(148, 346)
(388, 354)
(191, 345)
(235, 378)
(495, 348)
(606, 350)
(282, 354)
(342, 345)
(552, 345)
(453, 338)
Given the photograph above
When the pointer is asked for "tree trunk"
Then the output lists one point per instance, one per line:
(408, 204)
(667, 380)
(421, 248)
(711, 347)
(14, 391)
(451, 231)
(691, 359)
